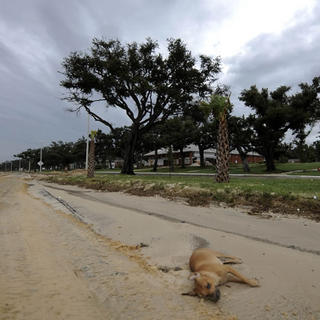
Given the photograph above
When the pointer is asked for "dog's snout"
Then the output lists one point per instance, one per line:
(215, 296)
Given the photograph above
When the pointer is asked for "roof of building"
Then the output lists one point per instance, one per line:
(194, 148)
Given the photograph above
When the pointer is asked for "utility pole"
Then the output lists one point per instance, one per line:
(40, 164)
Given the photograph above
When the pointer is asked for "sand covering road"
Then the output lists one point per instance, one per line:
(54, 266)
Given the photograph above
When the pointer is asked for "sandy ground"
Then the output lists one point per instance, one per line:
(70, 253)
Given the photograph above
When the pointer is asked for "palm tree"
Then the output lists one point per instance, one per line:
(91, 162)
(220, 106)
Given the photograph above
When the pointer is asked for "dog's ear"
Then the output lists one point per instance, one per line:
(195, 275)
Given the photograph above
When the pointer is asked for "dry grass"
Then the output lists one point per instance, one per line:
(195, 193)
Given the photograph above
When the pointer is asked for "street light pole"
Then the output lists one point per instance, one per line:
(41, 160)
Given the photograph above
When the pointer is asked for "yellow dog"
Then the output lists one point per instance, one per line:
(209, 271)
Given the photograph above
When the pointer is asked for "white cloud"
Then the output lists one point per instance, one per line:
(251, 18)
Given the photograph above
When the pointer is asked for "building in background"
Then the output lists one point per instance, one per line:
(192, 157)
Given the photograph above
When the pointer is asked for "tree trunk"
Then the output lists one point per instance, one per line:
(91, 160)
(182, 159)
(171, 159)
(155, 164)
(270, 164)
(129, 155)
(301, 144)
(201, 153)
(245, 164)
(222, 164)
(244, 159)
(269, 156)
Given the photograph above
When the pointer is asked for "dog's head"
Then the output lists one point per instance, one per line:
(205, 286)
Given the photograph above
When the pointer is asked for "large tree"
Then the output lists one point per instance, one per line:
(276, 112)
(316, 147)
(179, 133)
(154, 140)
(58, 154)
(138, 80)
(206, 128)
(79, 152)
(31, 156)
(240, 136)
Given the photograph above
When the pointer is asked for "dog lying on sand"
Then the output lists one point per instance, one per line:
(209, 270)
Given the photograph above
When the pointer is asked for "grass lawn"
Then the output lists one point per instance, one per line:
(256, 168)
(298, 166)
(306, 173)
(303, 187)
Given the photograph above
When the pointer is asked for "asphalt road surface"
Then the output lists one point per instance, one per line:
(71, 253)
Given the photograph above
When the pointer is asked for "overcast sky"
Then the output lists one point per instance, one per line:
(267, 43)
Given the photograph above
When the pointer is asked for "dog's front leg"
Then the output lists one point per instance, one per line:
(238, 277)
(191, 294)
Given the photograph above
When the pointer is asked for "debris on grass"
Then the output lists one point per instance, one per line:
(259, 202)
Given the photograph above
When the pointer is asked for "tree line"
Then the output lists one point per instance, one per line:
(152, 88)
(195, 127)
(173, 100)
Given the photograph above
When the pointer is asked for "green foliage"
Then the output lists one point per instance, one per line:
(218, 105)
(93, 134)
(277, 112)
(205, 128)
(178, 132)
(139, 80)
(57, 155)
(240, 138)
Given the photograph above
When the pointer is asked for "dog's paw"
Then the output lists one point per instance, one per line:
(254, 283)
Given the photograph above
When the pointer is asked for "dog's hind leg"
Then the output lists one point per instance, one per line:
(238, 277)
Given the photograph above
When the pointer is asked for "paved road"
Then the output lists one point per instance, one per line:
(283, 253)
(64, 249)
(54, 266)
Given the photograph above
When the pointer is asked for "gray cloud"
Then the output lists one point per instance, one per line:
(269, 60)
(35, 36)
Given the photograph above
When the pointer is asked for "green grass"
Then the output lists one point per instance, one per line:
(302, 187)
(256, 168)
(261, 194)
(298, 166)
(306, 173)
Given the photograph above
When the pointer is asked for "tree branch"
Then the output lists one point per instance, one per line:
(98, 118)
